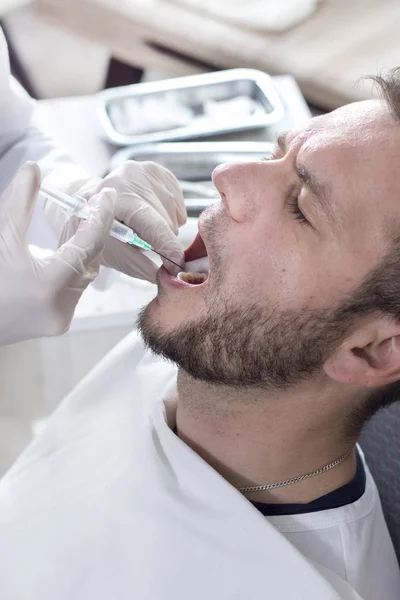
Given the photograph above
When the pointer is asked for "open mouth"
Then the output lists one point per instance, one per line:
(197, 266)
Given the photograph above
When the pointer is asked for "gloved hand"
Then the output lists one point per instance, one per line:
(39, 296)
(150, 201)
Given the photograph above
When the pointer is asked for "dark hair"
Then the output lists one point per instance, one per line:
(380, 292)
(389, 88)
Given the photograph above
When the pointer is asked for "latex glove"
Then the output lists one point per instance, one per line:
(150, 201)
(39, 296)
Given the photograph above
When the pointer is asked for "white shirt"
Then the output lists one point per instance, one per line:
(352, 540)
(110, 503)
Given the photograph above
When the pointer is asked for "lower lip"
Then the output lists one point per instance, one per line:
(169, 280)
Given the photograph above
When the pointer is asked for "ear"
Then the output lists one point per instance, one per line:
(369, 357)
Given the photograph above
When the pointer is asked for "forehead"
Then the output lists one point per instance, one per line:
(364, 126)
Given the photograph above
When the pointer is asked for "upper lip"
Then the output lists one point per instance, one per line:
(224, 203)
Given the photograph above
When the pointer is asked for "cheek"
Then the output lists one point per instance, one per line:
(271, 269)
(282, 268)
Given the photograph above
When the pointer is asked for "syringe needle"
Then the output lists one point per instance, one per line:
(139, 243)
(165, 258)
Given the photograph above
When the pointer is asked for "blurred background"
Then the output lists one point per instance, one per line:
(65, 53)
(74, 47)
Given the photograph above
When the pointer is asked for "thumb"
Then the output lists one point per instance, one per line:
(18, 202)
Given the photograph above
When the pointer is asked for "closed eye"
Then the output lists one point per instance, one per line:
(293, 205)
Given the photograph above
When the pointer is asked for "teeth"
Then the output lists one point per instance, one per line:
(200, 265)
(193, 278)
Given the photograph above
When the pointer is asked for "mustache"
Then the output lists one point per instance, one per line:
(214, 223)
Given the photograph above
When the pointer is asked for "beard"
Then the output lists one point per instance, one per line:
(250, 346)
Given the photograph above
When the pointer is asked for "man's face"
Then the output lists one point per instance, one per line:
(290, 239)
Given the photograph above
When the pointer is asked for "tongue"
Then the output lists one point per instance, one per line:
(200, 265)
(196, 250)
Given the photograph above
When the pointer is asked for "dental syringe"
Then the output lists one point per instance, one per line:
(78, 206)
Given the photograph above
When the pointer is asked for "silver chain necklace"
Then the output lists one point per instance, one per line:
(273, 486)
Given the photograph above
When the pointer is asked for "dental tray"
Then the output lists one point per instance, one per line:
(189, 107)
(194, 161)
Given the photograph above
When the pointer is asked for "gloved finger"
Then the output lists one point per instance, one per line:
(87, 243)
(175, 202)
(133, 196)
(129, 260)
(151, 227)
(172, 257)
(18, 203)
(149, 182)
(161, 190)
(69, 229)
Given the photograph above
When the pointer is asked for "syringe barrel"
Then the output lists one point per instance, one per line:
(121, 232)
(78, 206)
(71, 205)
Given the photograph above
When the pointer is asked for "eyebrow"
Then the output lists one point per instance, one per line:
(321, 191)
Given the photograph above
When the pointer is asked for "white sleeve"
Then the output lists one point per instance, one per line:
(20, 141)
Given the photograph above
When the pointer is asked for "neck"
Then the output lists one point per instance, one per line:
(254, 437)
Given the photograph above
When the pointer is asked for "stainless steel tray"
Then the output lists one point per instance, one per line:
(194, 161)
(189, 107)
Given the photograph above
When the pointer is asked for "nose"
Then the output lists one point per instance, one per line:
(246, 188)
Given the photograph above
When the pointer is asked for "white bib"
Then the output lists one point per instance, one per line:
(109, 504)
